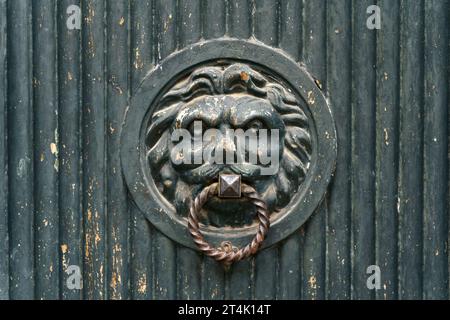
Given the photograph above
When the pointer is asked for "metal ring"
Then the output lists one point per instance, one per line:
(227, 254)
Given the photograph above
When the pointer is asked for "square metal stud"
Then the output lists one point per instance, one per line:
(229, 186)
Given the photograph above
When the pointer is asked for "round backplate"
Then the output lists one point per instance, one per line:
(141, 182)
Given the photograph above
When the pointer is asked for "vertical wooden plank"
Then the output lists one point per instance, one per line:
(142, 41)
(239, 279)
(240, 25)
(290, 23)
(142, 58)
(189, 272)
(435, 250)
(266, 261)
(165, 255)
(141, 277)
(290, 267)
(386, 218)
(46, 159)
(266, 274)
(213, 280)
(214, 18)
(20, 150)
(166, 27)
(69, 92)
(363, 147)
(4, 238)
(290, 260)
(411, 151)
(117, 99)
(189, 262)
(266, 21)
(448, 166)
(339, 91)
(314, 242)
(164, 261)
(189, 22)
(94, 129)
(313, 256)
(314, 39)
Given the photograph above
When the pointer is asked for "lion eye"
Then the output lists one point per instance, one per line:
(255, 125)
(196, 128)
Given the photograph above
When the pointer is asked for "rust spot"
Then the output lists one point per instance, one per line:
(318, 84)
(115, 280)
(97, 239)
(312, 282)
(87, 246)
(244, 76)
(142, 284)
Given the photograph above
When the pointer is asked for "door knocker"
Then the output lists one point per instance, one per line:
(229, 186)
(192, 163)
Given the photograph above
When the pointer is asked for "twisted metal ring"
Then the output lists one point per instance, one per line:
(228, 254)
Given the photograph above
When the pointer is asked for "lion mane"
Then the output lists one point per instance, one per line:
(235, 78)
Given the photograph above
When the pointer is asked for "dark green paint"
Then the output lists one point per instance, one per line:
(388, 203)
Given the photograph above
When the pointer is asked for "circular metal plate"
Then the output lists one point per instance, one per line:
(141, 181)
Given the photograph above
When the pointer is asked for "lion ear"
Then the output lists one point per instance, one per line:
(160, 122)
(298, 141)
(157, 136)
(159, 153)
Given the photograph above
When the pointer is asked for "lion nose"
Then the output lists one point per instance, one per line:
(227, 149)
(226, 144)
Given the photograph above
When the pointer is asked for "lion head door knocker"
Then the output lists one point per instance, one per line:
(227, 147)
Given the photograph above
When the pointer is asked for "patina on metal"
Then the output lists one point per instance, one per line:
(228, 84)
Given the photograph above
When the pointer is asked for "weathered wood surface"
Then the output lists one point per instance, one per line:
(63, 202)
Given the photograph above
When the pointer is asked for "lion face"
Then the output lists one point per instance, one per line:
(211, 122)
(220, 99)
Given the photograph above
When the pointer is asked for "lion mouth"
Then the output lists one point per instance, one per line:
(208, 172)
